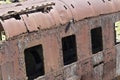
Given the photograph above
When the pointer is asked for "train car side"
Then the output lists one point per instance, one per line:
(60, 44)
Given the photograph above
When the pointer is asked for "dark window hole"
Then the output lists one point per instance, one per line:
(34, 62)
(69, 49)
(96, 40)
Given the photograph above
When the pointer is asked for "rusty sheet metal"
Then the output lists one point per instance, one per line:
(64, 11)
(117, 4)
(83, 9)
(70, 72)
(109, 70)
(97, 58)
(12, 7)
(13, 27)
(55, 16)
(80, 9)
(19, 6)
(98, 72)
(102, 8)
(7, 5)
(8, 70)
(38, 21)
(111, 4)
(117, 60)
(41, 20)
(31, 2)
(109, 54)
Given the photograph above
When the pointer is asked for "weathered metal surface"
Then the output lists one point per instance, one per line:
(79, 9)
(118, 60)
(13, 27)
(49, 27)
(109, 70)
(97, 58)
(102, 8)
(1, 74)
(8, 71)
(109, 55)
(98, 72)
(116, 3)
(64, 11)
(38, 21)
(70, 72)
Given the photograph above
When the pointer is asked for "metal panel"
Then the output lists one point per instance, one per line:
(41, 20)
(100, 6)
(38, 20)
(109, 54)
(13, 27)
(98, 72)
(29, 2)
(55, 16)
(118, 60)
(8, 71)
(109, 70)
(80, 9)
(64, 11)
(112, 5)
(117, 4)
(70, 72)
(13, 7)
(97, 58)
(0, 73)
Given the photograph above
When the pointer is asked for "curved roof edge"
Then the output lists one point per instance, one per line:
(42, 14)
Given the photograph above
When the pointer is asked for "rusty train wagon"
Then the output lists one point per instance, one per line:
(60, 40)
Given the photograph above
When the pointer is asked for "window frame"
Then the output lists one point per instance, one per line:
(95, 39)
(72, 49)
(39, 50)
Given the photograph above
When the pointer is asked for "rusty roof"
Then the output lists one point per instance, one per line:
(18, 18)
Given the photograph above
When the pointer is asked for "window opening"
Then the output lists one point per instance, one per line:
(117, 32)
(69, 49)
(34, 62)
(96, 38)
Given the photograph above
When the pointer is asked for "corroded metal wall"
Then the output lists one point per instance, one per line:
(66, 18)
(13, 62)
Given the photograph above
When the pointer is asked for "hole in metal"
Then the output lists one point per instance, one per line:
(72, 6)
(88, 2)
(103, 1)
(65, 7)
